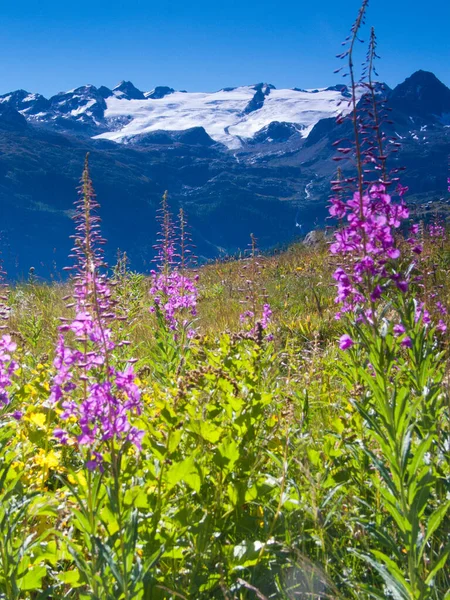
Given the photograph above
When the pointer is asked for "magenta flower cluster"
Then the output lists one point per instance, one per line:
(249, 317)
(436, 230)
(108, 396)
(7, 368)
(175, 295)
(368, 239)
(92, 393)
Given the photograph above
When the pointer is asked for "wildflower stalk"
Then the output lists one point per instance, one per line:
(173, 293)
(388, 337)
(354, 38)
(257, 316)
(109, 396)
(382, 158)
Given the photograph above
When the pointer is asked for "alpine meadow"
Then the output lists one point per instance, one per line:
(269, 425)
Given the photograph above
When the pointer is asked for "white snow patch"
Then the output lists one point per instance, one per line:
(82, 109)
(220, 113)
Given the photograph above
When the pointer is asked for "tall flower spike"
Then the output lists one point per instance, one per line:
(174, 293)
(258, 313)
(8, 365)
(7, 368)
(4, 293)
(186, 256)
(366, 243)
(91, 392)
(165, 241)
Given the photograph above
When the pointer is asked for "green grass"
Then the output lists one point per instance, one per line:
(253, 481)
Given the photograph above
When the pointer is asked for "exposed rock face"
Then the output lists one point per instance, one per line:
(159, 92)
(422, 95)
(125, 89)
(11, 119)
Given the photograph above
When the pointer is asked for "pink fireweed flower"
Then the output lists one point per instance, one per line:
(441, 308)
(436, 231)
(345, 342)
(441, 326)
(97, 397)
(7, 368)
(422, 314)
(266, 316)
(248, 318)
(175, 295)
(368, 238)
(399, 329)
(406, 342)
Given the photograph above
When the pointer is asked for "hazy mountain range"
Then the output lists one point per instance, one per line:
(251, 159)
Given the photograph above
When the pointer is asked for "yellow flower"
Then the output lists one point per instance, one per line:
(37, 419)
(30, 390)
(49, 460)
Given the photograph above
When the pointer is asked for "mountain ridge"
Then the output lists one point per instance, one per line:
(252, 172)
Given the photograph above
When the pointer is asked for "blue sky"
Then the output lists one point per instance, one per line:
(49, 46)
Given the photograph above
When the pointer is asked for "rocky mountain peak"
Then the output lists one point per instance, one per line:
(159, 92)
(422, 94)
(127, 91)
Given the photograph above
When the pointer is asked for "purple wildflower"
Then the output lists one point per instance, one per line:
(422, 314)
(399, 329)
(248, 318)
(368, 238)
(175, 295)
(406, 342)
(7, 368)
(345, 342)
(441, 326)
(436, 230)
(87, 386)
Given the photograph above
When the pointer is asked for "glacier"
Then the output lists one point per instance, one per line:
(222, 114)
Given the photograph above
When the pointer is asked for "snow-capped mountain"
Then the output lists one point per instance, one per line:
(239, 160)
(231, 116)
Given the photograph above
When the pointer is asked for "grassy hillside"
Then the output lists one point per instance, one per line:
(256, 476)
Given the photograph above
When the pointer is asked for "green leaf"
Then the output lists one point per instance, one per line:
(434, 521)
(186, 471)
(208, 431)
(419, 453)
(32, 580)
(228, 454)
(393, 568)
(438, 565)
(174, 440)
(338, 425)
(396, 586)
(110, 521)
(71, 577)
(314, 457)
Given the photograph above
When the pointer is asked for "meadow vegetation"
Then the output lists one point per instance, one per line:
(274, 427)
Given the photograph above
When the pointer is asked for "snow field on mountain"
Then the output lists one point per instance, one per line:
(220, 113)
